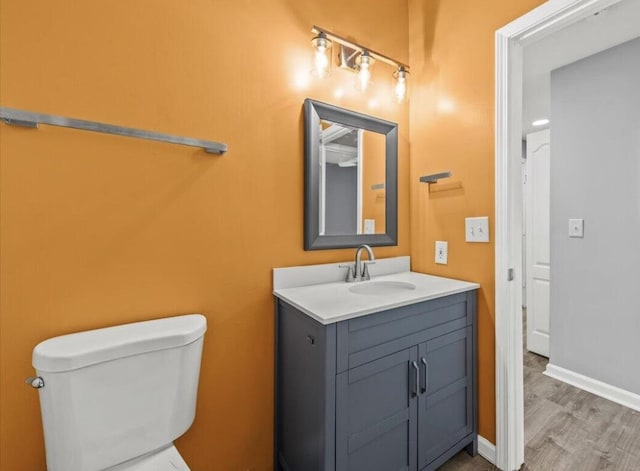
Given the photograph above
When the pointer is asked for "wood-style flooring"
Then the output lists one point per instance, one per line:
(567, 429)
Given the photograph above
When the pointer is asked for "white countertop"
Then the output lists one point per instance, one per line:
(333, 302)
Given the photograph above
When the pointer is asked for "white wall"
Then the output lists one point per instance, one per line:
(595, 175)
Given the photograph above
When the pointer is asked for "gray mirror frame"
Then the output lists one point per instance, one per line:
(314, 111)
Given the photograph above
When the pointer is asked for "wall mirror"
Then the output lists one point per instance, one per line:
(351, 178)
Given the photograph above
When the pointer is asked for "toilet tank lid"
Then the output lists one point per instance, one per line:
(73, 351)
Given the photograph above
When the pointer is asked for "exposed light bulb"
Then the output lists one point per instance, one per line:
(322, 55)
(540, 122)
(401, 89)
(364, 70)
(401, 84)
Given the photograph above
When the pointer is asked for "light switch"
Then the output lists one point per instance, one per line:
(442, 251)
(576, 228)
(477, 229)
(369, 226)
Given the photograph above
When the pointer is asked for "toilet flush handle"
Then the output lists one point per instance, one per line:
(35, 382)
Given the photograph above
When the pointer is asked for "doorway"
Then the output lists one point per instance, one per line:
(545, 20)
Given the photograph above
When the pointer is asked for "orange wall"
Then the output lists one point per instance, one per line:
(452, 128)
(99, 230)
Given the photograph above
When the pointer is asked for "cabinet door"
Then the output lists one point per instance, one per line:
(445, 404)
(376, 414)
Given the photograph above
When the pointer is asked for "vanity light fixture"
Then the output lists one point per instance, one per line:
(357, 58)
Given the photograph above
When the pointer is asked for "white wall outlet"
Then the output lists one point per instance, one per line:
(369, 226)
(576, 228)
(442, 251)
(476, 229)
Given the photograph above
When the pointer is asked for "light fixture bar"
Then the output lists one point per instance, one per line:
(352, 45)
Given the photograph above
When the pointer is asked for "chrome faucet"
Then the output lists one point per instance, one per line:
(360, 270)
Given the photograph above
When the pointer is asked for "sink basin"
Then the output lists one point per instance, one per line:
(382, 288)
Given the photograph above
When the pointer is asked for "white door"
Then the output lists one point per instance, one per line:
(538, 266)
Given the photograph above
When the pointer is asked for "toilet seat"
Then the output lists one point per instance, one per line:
(166, 459)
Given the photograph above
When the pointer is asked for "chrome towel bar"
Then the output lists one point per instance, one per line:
(32, 120)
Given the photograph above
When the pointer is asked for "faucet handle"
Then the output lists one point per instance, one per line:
(365, 269)
(350, 278)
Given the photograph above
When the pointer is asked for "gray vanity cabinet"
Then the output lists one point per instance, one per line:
(389, 391)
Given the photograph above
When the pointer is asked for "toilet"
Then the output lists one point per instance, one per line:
(115, 399)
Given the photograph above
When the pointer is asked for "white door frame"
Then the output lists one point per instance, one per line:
(538, 23)
(322, 201)
(360, 188)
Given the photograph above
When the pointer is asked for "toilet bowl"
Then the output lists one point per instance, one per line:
(115, 399)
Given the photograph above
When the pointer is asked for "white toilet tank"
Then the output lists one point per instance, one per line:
(115, 394)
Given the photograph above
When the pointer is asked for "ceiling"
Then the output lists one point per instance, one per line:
(341, 145)
(610, 27)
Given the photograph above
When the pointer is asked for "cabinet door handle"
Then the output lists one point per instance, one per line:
(425, 375)
(413, 379)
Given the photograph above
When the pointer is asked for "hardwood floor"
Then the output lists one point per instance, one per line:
(567, 429)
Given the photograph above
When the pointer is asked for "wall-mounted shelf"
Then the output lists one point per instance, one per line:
(434, 177)
(434, 186)
(32, 120)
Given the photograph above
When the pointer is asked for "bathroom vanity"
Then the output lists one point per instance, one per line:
(378, 375)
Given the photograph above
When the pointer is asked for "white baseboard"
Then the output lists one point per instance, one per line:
(486, 449)
(599, 388)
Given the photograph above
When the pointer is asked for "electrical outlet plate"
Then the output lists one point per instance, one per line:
(477, 229)
(442, 249)
(576, 228)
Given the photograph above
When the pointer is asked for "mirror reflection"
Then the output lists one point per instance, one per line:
(350, 178)
(352, 183)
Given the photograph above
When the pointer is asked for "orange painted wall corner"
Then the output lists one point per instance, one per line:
(98, 230)
(451, 52)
